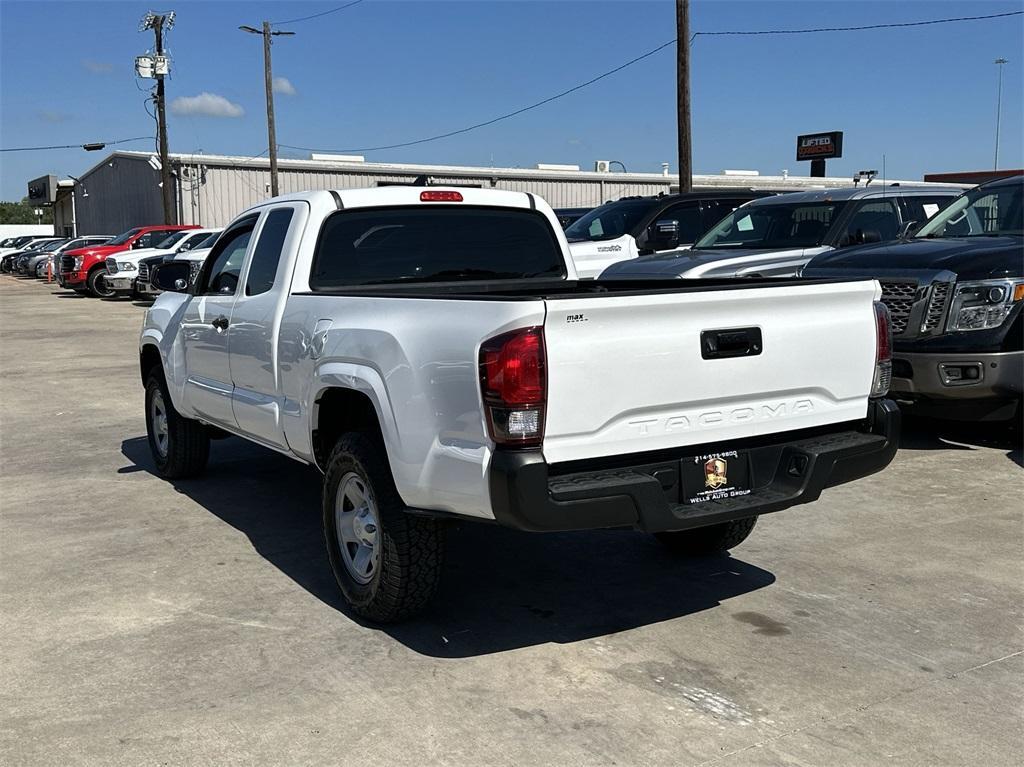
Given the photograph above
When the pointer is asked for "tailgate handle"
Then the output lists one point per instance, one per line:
(734, 342)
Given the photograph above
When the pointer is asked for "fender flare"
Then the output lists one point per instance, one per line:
(367, 381)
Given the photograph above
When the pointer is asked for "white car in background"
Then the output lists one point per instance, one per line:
(123, 267)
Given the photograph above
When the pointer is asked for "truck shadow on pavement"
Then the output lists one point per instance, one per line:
(927, 434)
(502, 589)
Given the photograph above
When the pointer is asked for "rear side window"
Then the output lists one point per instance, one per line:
(265, 258)
(379, 246)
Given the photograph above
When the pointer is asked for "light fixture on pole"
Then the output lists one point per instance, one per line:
(269, 82)
(999, 108)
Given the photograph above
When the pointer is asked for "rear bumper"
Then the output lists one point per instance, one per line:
(647, 496)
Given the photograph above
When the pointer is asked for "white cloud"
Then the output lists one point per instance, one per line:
(97, 67)
(284, 86)
(206, 105)
(52, 116)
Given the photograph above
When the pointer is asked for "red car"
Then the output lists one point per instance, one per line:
(84, 269)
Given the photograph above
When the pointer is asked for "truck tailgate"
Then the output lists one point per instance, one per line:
(629, 373)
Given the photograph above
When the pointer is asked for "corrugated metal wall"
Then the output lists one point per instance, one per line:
(118, 195)
(215, 197)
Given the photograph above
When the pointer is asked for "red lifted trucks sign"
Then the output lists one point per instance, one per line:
(819, 146)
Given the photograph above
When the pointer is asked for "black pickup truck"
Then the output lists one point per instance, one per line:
(955, 292)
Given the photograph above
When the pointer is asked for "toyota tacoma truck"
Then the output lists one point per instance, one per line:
(955, 291)
(85, 270)
(433, 353)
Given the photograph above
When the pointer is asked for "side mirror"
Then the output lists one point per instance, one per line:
(663, 235)
(171, 276)
(908, 228)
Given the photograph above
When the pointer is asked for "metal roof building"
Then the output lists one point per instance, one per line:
(123, 190)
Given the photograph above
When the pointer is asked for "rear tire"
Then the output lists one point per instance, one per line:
(180, 446)
(97, 283)
(710, 540)
(386, 561)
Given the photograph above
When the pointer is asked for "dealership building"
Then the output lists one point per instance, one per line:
(124, 190)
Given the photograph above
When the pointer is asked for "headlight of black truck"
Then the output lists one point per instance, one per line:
(984, 304)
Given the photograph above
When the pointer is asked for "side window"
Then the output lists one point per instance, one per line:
(716, 210)
(265, 258)
(225, 260)
(147, 240)
(690, 225)
(191, 241)
(873, 221)
(920, 209)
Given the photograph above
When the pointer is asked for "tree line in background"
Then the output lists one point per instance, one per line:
(23, 213)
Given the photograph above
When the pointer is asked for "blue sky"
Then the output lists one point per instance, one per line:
(384, 72)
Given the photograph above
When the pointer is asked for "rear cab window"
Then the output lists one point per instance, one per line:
(415, 244)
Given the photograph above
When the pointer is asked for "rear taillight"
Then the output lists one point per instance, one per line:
(439, 196)
(513, 380)
(883, 351)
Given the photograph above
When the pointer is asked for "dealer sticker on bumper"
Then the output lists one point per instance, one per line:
(714, 476)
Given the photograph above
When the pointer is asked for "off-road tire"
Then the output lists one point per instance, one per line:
(96, 283)
(710, 540)
(188, 443)
(412, 548)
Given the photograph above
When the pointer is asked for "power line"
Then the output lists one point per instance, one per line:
(76, 146)
(504, 116)
(317, 15)
(894, 25)
(639, 58)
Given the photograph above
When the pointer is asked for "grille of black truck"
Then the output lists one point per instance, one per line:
(899, 298)
(936, 306)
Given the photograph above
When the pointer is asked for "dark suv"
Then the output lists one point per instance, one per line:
(637, 226)
(955, 292)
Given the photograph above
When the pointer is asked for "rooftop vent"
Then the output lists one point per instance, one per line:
(337, 157)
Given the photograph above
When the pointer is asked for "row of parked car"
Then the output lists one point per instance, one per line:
(105, 266)
(950, 263)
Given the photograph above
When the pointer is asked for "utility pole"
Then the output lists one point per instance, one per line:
(156, 22)
(269, 82)
(999, 109)
(683, 94)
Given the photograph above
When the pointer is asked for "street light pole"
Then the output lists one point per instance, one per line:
(269, 83)
(999, 109)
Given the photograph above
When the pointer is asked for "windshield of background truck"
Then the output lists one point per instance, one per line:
(609, 221)
(978, 213)
(774, 227)
(208, 243)
(379, 246)
(121, 239)
(168, 242)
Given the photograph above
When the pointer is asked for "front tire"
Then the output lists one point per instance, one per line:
(180, 446)
(386, 561)
(710, 540)
(97, 283)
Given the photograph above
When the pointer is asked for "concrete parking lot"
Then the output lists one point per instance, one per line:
(146, 622)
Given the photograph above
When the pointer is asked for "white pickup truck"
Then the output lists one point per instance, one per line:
(432, 352)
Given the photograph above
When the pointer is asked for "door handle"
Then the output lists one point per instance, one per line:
(221, 323)
(733, 342)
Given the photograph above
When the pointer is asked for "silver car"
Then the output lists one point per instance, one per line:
(776, 236)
